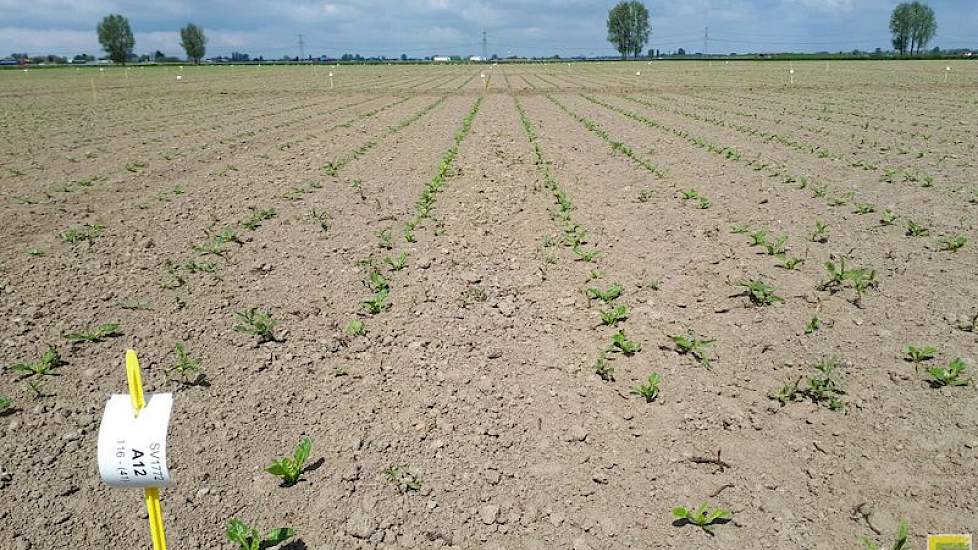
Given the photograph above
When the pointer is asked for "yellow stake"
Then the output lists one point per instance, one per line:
(152, 494)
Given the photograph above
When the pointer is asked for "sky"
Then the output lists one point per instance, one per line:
(421, 28)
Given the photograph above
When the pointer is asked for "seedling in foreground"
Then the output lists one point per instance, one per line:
(5, 404)
(256, 218)
(692, 344)
(790, 263)
(377, 303)
(96, 334)
(759, 293)
(386, 240)
(813, 325)
(355, 327)
(645, 195)
(888, 217)
(841, 200)
(255, 322)
(865, 208)
(247, 538)
(36, 387)
(916, 230)
(861, 278)
(778, 247)
(917, 355)
(357, 185)
(759, 237)
(619, 342)
(822, 388)
(86, 233)
(41, 367)
(614, 316)
(950, 376)
(901, 542)
(604, 369)
(377, 282)
(320, 217)
(585, 255)
(185, 365)
(704, 517)
(605, 296)
(953, 244)
(397, 263)
(821, 233)
(650, 389)
(403, 479)
(289, 469)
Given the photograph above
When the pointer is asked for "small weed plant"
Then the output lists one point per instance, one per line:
(403, 479)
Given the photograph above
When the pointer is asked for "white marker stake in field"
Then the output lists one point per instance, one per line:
(132, 445)
(331, 80)
(947, 71)
(179, 77)
(132, 448)
(791, 76)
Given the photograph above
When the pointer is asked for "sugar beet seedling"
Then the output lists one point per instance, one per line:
(650, 389)
(97, 334)
(621, 343)
(248, 538)
(704, 517)
(692, 344)
(255, 322)
(606, 296)
(45, 366)
(759, 293)
(950, 376)
(291, 468)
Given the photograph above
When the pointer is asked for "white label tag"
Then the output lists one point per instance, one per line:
(132, 449)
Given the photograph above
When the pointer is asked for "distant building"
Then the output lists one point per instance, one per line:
(477, 58)
(441, 58)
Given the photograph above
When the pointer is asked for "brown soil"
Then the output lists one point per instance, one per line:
(478, 378)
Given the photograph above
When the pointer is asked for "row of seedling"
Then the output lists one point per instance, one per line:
(614, 313)
(426, 200)
(333, 168)
(888, 217)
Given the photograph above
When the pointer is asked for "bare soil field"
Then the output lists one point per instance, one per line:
(513, 306)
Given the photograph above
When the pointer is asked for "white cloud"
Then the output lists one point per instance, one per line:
(825, 6)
